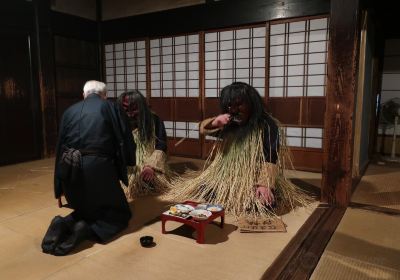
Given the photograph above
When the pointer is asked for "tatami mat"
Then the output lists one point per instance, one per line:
(27, 205)
(366, 245)
(380, 186)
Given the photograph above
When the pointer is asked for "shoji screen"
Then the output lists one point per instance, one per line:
(232, 55)
(125, 67)
(175, 66)
(297, 79)
(175, 90)
(184, 74)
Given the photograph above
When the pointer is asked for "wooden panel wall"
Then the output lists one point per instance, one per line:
(75, 63)
(20, 116)
(28, 75)
(19, 122)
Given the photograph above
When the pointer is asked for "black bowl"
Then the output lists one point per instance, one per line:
(147, 241)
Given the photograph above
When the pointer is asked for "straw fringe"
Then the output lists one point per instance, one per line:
(147, 155)
(230, 179)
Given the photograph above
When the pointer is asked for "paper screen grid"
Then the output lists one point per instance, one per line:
(235, 55)
(182, 129)
(125, 67)
(306, 137)
(298, 58)
(175, 66)
(297, 68)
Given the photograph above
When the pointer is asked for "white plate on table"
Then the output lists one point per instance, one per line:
(180, 209)
(184, 208)
(179, 215)
(214, 208)
(201, 206)
(200, 214)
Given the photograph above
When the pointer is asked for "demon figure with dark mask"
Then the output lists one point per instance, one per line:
(150, 175)
(245, 170)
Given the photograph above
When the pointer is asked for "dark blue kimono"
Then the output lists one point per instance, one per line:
(99, 129)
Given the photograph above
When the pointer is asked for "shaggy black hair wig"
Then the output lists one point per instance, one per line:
(145, 121)
(249, 95)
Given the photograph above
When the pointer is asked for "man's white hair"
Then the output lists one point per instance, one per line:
(94, 87)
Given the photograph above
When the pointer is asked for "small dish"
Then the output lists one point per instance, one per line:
(201, 206)
(180, 210)
(200, 214)
(147, 241)
(184, 208)
(214, 208)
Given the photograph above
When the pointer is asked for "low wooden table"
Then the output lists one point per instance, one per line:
(199, 226)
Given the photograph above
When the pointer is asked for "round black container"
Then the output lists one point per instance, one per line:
(147, 241)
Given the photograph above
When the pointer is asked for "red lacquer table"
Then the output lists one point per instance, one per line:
(199, 226)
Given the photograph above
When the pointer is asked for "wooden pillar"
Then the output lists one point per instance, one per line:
(340, 101)
(46, 76)
(99, 18)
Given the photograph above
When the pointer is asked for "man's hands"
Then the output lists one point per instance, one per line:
(147, 174)
(265, 195)
(221, 120)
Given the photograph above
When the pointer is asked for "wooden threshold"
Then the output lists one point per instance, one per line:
(301, 255)
(384, 210)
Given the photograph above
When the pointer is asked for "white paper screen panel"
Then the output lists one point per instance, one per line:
(234, 55)
(125, 67)
(298, 57)
(182, 129)
(306, 137)
(175, 66)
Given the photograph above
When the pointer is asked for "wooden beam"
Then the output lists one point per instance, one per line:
(301, 255)
(340, 99)
(45, 59)
(212, 15)
(384, 210)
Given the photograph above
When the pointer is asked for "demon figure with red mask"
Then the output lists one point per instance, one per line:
(150, 175)
(245, 170)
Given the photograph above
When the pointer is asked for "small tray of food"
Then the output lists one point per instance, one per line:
(198, 212)
(180, 210)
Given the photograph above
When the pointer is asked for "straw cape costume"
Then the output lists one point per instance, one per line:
(150, 153)
(250, 155)
(151, 174)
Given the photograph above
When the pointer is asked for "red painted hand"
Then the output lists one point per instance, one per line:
(147, 174)
(221, 120)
